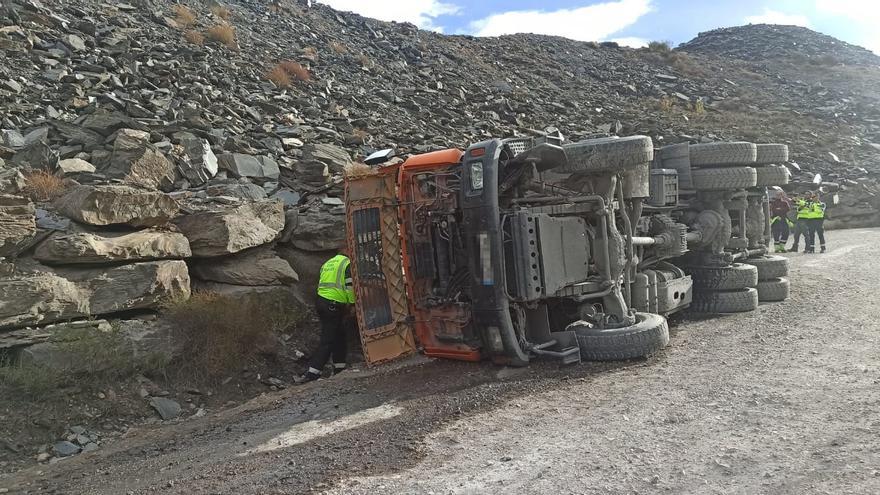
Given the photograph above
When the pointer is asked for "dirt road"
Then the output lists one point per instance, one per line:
(782, 400)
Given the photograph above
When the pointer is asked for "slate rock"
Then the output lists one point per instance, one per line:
(114, 204)
(17, 224)
(257, 266)
(86, 247)
(318, 230)
(38, 156)
(233, 229)
(167, 408)
(65, 448)
(75, 166)
(334, 157)
(196, 161)
(253, 166)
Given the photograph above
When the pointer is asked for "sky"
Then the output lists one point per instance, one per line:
(629, 22)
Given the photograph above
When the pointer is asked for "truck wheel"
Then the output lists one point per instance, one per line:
(723, 154)
(649, 334)
(722, 179)
(608, 154)
(775, 289)
(725, 301)
(735, 276)
(771, 153)
(769, 267)
(772, 175)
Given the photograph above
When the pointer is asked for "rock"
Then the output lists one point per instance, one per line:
(241, 165)
(230, 230)
(318, 230)
(75, 166)
(257, 266)
(83, 247)
(47, 295)
(49, 347)
(167, 408)
(106, 123)
(10, 85)
(90, 447)
(12, 181)
(38, 156)
(74, 42)
(138, 162)
(195, 161)
(65, 449)
(288, 197)
(334, 157)
(242, 190)
(117, 204)
(312, 173)
(17, 224)
(11, 138)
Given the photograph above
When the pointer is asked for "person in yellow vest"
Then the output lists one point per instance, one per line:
(335, 299)
(815, 224)
(801, 228)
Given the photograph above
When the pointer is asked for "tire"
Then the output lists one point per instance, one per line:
(723, 154)
(735, 276)
(672, 151)
(769, 267)
(725, 301)
(649, 335)
(771, 153)
(775, 289)
(772, 175)
(608, 154)
(722, 179)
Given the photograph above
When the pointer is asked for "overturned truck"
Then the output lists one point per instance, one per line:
(517, 249)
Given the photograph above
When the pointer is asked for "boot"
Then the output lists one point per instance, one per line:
(809, 250)
(822, 249)
(794, 248)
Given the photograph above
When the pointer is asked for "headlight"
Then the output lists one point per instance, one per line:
(476, 175)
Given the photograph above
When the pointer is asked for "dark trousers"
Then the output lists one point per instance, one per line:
(780, 230)
(815, 226)
(800, 229)
(333, 337)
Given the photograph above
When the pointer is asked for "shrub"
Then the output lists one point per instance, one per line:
(28, 381)
(357, 169)
(699, 107)
(665, 104)
(279, 76)
(296, 70)
(223, 34)
(221, 12)
(338, 48)
(659, 47)
(43, 186)
(220, 334)
(310, 53)
(194, 37)
(184, 16)
(365, 60)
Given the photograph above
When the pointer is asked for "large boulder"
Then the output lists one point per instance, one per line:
(17, 224)
(12, 181)
(47, 296)
(85, 247)
(236, 189)
(138, 162)
(196, 161)
(113, 204)
(234, 229)
(334, 157)
(38, 156)
(75, 166)
(258, 266)
(252, 166)
(315, 230)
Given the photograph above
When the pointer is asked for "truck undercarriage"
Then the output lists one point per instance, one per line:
(523, 248)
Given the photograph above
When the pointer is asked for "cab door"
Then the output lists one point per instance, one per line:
(374, 242)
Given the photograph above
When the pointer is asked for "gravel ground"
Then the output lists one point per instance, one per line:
(782, 400)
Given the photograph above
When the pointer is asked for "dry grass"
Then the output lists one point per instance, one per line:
(194, 37)
(355, 170)
(221, 334)
(296, 70)
(43, 186)
(279, 76)
(665, 104)
(184, 16)
(223, 34)
(699, 107)
(659, 47)
(365, 60)
(338, 48)
(221, 12)
(310, 53)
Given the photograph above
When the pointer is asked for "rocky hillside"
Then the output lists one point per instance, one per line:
(137, 135)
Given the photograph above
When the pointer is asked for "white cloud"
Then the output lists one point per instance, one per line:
(591, 23)
(422, 13)
(775, 17)
(864, 16)
(631, 42)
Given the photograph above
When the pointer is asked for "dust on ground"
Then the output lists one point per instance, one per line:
(782, 400)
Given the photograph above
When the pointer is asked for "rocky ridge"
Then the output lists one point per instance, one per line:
(167, 144)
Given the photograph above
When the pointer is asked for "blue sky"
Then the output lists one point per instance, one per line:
(631, 22)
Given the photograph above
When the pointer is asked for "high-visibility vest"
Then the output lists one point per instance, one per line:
(814, 210)
(803, 209)
(333, 284)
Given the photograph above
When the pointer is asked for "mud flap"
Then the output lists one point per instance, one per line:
(374, 242)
